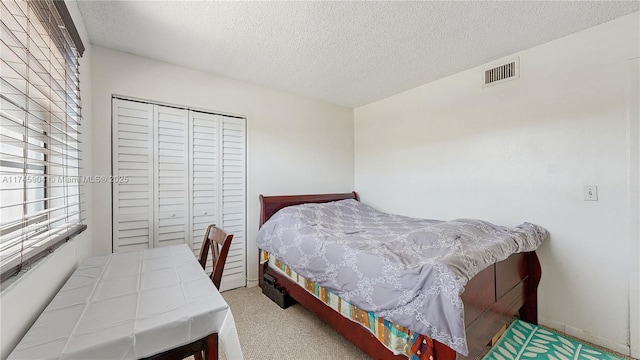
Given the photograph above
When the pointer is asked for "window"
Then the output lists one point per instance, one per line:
(40, 205)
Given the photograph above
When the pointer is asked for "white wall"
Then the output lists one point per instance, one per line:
(22, 302)
(522, 151)
(634, 204)
(294, 144)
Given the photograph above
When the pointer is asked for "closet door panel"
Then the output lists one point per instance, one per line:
(172, 176)
(204, 154)
(132, 157)
(233, 199)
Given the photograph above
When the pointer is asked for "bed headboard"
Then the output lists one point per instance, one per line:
(269, 205)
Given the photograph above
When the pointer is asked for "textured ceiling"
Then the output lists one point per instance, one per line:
(348, 53)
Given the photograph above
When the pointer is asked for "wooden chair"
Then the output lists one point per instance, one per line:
(219, 242)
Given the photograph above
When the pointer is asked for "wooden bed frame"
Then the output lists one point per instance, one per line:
(491, 299)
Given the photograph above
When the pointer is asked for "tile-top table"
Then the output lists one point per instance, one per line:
(129, 306)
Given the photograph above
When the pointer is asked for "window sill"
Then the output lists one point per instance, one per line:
(14, 281)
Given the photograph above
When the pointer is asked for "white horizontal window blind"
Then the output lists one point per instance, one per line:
(40, 199)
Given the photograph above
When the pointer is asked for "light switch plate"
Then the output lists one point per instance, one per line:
(590, 193)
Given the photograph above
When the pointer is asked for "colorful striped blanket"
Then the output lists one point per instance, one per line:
(398, 339)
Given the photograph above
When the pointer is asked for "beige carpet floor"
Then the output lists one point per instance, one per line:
(268, 332)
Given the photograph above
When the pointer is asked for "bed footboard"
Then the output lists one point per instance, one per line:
(515, 293)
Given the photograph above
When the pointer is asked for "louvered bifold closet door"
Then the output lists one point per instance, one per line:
(172, 176)
(133, 144)
(233, 202)
(204, 176)
(185, 170)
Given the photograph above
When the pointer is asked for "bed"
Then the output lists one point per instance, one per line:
(491, 298)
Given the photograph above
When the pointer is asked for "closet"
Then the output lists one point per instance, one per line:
(177, 170)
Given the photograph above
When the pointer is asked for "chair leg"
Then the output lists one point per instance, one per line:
(211, 347)
(198, 355)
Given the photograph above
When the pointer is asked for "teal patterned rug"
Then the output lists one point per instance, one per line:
(525, 341)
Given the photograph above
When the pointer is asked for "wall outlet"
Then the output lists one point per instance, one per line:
(590, 193)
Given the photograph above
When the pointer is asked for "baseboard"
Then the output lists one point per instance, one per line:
(586, 336)
(252, 283)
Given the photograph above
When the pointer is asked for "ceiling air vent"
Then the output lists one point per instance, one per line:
(502, 73)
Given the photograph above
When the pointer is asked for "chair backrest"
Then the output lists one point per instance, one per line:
(219, 242)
